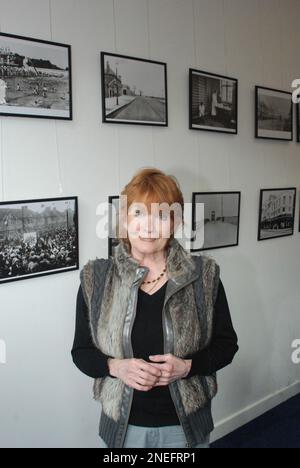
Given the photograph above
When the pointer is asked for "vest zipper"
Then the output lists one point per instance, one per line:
(188, 444)
(131, 352)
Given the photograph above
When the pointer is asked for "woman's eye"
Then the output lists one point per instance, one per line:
(137, 213)
(163, 216)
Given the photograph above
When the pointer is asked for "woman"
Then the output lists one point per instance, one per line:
(153, 327)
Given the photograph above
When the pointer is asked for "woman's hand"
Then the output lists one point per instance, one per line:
(136, 373)
(172, 368)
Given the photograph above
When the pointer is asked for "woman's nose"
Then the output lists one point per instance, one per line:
(150, 225)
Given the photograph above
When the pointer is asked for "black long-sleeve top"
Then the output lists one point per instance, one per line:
(155, 407)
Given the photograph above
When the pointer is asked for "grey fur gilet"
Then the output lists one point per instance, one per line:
(190, 296)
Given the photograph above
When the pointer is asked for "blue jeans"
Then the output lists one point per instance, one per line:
(156, 437)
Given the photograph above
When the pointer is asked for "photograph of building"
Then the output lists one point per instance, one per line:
(277, 213)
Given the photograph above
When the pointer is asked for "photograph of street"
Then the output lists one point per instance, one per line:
(221, 219)
(133, 90)
(274, 114)
(38, 237)
(277, 213)
(35, 78)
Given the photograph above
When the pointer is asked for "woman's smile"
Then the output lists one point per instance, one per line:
(147, 239)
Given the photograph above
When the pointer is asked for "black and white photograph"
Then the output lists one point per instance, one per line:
(273, 114)
(215, 220)
(113, 216)
(35, 78)
(276, 213)
(134, 90)
(38, 237)
(213, 102)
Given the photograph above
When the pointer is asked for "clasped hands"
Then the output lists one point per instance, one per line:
(141, 375)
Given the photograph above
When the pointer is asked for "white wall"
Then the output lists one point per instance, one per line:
(45, 401)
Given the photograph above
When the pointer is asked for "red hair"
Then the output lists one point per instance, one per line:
(151, 185)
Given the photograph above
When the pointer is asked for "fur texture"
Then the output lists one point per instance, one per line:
(107, 332)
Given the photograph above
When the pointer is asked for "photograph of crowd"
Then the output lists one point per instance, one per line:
(134, 90)
(38, 237)
(213, 102)
(35, 78)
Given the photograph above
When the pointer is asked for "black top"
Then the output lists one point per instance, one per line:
(155, 407)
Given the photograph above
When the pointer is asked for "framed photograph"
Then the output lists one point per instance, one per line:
(38, 237)
(213, 102)
(273, 114)
(113, 215)
(276, 213)
(134, 90)
(215, 220)
(35, 78)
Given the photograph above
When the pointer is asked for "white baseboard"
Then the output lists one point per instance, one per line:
(233, 422)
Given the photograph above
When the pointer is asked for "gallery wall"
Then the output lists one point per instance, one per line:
(44, 399)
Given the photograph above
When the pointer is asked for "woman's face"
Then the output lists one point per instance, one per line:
(148, 228)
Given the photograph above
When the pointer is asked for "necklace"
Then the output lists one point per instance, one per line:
(154, 281)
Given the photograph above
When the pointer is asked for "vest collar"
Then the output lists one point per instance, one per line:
(180, 264)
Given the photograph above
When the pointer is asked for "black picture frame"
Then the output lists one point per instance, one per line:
(26, 80)
(112, 223)
(38, 240)
(233, 232)
(271, 224)
(221, 117)
(298, 122)
(258, 110)
(154, 104)
(299, 214)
